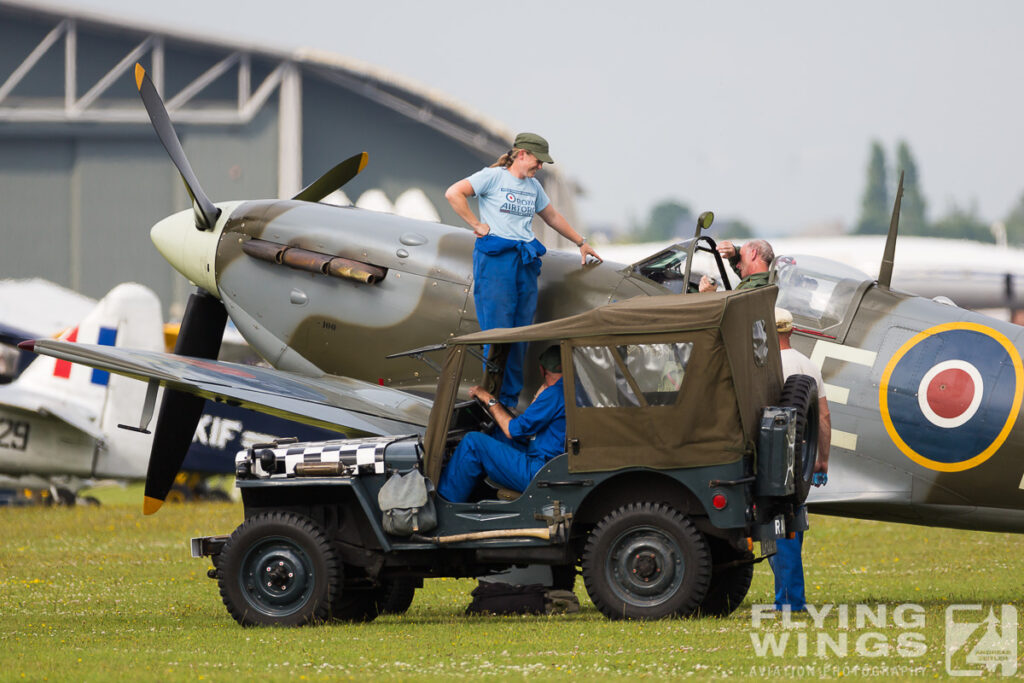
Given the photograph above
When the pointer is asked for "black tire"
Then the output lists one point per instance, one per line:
(646, 561)
(217, 496)
(65, 496)
(278, 569)
(563, 577)
(179, 493)
(729, 584)
(357, 605)
(395, 596)
(801, 392)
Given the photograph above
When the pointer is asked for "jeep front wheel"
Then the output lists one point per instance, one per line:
(396, 595)
(646, 561)
(278, 569)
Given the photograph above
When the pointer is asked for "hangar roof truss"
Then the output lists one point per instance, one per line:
(89, 107)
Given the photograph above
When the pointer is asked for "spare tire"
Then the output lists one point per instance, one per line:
(801, 392)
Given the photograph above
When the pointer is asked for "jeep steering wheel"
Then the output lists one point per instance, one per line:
(487, 420)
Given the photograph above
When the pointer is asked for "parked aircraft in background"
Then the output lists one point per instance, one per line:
(32, 308)
(925, 396)
(58, 421)
(13, 361)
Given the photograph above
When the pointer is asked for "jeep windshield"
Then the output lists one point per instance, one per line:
(668, 266)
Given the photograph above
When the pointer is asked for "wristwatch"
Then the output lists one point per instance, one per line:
(492, 402)
(583, 240)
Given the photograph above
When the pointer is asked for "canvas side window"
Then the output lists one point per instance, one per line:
(657, 369)
(759, 336)
(599, 380)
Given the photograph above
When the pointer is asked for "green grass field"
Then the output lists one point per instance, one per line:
(91, 594)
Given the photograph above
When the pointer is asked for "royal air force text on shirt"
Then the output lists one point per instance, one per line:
(518, 204)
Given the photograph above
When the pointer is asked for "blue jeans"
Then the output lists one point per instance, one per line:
(505, 294)
(789, 573)
(478, 454)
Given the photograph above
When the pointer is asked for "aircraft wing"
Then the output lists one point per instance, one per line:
(29, 402)
(327, 401)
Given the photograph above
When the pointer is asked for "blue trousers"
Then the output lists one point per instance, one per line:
(788, 566)
(478, 454)
(505, 294)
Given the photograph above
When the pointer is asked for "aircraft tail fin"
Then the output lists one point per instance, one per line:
(128, 316)
(889, 255)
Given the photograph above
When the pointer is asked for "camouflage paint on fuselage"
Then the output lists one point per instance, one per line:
(343, 327)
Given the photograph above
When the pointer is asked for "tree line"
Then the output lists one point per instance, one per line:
(673, 219)
(959, 222)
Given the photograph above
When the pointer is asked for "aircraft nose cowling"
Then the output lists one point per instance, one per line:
(190, 251)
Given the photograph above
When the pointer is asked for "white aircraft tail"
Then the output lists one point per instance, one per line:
(128, 316)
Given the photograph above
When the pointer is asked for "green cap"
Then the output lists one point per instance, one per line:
(551, 359)
(535, 145)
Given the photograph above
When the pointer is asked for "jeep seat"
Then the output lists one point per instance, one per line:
(502, 492)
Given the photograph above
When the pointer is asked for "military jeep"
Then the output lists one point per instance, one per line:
(683, 450)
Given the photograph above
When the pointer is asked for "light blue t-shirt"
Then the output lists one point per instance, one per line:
(507, 203)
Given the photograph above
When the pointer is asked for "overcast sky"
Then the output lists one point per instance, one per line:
(762, 111)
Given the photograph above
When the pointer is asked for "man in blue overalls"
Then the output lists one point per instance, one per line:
(787, 562)
(506, 258)
(525, 444)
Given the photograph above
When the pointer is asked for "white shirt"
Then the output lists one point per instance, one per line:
(796, 363)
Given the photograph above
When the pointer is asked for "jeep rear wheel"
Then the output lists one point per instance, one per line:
(278, 569)
(646, 561)
(801, 392)
(729, 582)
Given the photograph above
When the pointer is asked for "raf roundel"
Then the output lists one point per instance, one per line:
(950, 395)
(510, 197)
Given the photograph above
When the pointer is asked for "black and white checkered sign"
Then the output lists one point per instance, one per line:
(359, 456)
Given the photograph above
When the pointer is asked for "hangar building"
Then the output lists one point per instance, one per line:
(83, 176)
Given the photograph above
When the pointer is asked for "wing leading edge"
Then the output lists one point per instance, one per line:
(328, 401)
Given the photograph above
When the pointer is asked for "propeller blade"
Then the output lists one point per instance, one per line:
(206, 212)
(202, 329)
(333, 179)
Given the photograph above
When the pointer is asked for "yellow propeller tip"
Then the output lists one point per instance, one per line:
(139, 74)
(363, 162)
(151, 505)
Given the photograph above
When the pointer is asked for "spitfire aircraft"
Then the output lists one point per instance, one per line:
(925, 397)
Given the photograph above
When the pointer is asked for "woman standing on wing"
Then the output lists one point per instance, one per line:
(506, 259)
